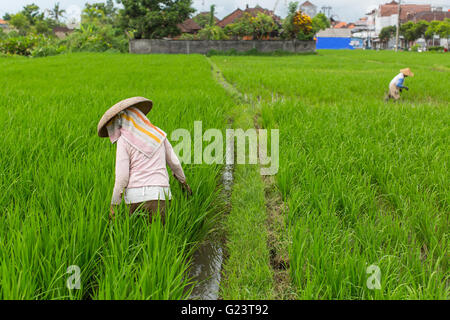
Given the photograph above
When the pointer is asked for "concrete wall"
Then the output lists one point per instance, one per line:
(145, 46)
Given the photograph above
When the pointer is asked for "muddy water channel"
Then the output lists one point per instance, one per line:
(207, 261)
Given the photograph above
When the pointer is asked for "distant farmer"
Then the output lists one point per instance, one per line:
(142, 153)
(397, 84)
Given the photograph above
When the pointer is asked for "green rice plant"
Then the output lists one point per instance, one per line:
(57, 177)
(366, 182)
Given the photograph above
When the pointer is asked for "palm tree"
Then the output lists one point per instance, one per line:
(56, 12)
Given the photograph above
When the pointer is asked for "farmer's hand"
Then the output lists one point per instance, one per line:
(111, 213)
(186, 188)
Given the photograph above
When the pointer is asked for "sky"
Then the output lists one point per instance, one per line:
(345, 10)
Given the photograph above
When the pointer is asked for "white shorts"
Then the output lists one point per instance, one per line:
(143, 194)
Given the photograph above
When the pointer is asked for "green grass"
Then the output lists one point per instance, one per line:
(365, 182)
(57, 176)
(247, 271)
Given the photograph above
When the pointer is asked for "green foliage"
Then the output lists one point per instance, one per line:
(32, 13)
(443, 28)
(202, 20)
(412, 31)
(320, 22)
(187, 36)
(387, 33)
(56, 13)
(3, 34)
(289, 30)
(212, 21)
(96, 38)
(7, 16)
(436, 48)
(21, 23)
(416, 47)
(99, 13)
(98, 32)
(22, 45)
(212, 33)
(258, 27)
(298, 25)
(153, 19)
(263, 26)
(422, 29)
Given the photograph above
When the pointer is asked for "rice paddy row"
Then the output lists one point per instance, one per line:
(57, 176)
(365, 182)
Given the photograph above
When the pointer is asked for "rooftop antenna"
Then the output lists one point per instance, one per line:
(327, 11)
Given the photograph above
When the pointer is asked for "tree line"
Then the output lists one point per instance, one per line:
(412, 31)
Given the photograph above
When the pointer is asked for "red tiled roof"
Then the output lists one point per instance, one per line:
(340, 25)
(62, 29)
(390, 9)
(238, 13)
(189, 26)
(429, 16)
(232, 17)
(3, 21)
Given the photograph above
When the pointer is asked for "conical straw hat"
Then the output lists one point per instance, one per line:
(407, 72)
(141, 103)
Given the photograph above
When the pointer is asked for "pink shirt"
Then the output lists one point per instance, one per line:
(135, 170)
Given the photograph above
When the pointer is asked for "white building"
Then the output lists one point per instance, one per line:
(308, 8)
(387, 14)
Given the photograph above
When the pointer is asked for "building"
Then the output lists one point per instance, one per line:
(189, 26)
(435, 14)
(333, 38)
(309, 8)
(387, 14)
(344, 25)
(4, 24)
(238, 14)
(62, 32)
(363, 34)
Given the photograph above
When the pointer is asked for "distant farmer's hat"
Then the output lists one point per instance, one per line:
(407, 72)
(141, 103)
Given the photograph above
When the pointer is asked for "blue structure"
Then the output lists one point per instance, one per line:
(333, 43)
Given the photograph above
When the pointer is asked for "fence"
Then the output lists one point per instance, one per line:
(147, 46)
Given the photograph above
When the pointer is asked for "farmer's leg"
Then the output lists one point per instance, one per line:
(153, 206)
(394, 92)
(150, 207)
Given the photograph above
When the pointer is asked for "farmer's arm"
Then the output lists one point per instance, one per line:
(122, 171)
(400, 83)
(174, 163)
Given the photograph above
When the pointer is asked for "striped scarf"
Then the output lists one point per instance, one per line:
(135, 128)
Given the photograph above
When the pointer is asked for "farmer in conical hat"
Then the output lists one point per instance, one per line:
(142, 154)
(397, 84)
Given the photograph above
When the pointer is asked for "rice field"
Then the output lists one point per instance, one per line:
(363, 182)
(57, 176)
